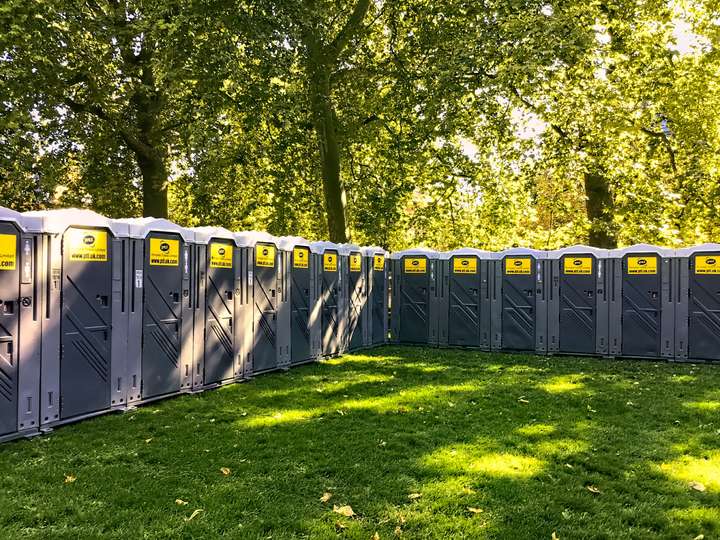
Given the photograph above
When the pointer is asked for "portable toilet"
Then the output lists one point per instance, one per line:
(357, 298)
(21, 280)
(641, 308)
(217, 283)
(470, 272)
(578, 301)
(697, 303)
(160, 341)
(268, 277)
(520, 301)
(305, 343)
(418, 299)
(84, 326)
(333, 294)
(377, 284)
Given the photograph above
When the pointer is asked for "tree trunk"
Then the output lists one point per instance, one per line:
(599, 207)
(325, 124)
(154, 188)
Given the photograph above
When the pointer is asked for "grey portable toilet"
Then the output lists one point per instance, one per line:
(84, 326)
(333, 296)
(305, 343)
(697, 303)
(268, 277)
(519, 302)
(418, 297)
(470, 273)
(217, 284)
(357, 298)
(578, 302)
(21, 280)
(377, 283)
(642, 314)
(160, 339)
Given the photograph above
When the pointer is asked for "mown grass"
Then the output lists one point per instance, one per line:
(523, 440)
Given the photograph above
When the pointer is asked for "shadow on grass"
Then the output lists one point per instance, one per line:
(582, 447)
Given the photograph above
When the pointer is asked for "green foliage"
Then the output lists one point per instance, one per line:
(458, 123)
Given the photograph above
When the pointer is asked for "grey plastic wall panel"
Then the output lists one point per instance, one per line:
(553, 305)
(615, 308)
(187, 327)
(541, 298)
(118, 344)
(317, 304)
(10, 303)
(439, 305)
(198, 287)
(412, 292)
(602, 305)
(486, 278)
(394, 296)
(332, 304)
(135, 283)
(667, 333)
(681, 275)
(378, 315)
(245, 307)
(284, 309)
(496, 305)
(50, 372)
(343, 303)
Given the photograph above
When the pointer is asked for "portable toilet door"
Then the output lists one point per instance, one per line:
(331, 298)
(218, 283)
(304, 317)
(377, 314)
(697, 303)
(84, 325)
(578, 301)
(357, 304)
(520, 276)
(467, 293)
(412, 293)
(166, 357)
(642, 311)
(20, 324)
(271, 302)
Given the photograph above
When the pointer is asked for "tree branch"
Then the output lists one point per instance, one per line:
(666, 144)
(350, 29)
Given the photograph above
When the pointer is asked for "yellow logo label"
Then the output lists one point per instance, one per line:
(577, 265)
(355, 262)
(86, 245)
(330, 262)
(265, 256)
(8, 252)
(415, 265)
(642, 265)
(464, 265)
(301, 257)
(164, 252)
(707, 264)
(221, 255)
(518, 266)
(379, 263)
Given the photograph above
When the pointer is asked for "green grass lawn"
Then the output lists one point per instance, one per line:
(421, 443)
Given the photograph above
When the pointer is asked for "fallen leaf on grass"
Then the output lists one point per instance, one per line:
(568, 466)
(590, 409)
(70, 478)
(699, 537)
(375, 536)
(414, 496)
(147, 441)
(593, 489)
(554, 536)
(345, 510)
(697, 486)
(468, 490)
(398, 531)
(522, 399)
(340, 412)
(474, 510)
(180, 502)
(225, 471)
(195, 514)
(340, 526)
(326, 497)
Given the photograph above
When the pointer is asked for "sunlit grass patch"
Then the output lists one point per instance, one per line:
(705, 470)
(703, 405)
(468, 459)
(537, 430)
(562, 384)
